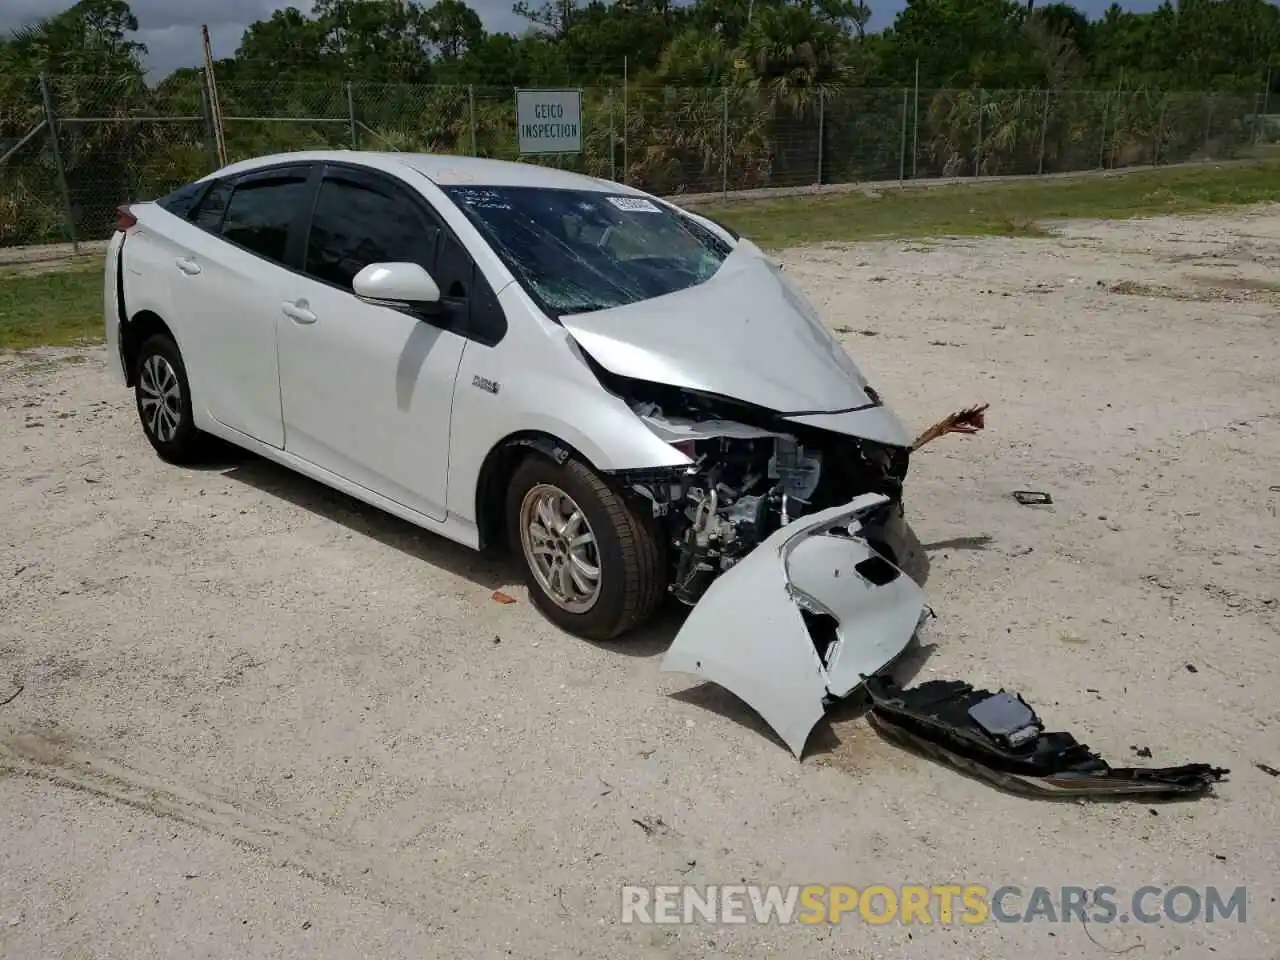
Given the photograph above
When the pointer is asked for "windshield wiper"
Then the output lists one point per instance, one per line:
(578, 308)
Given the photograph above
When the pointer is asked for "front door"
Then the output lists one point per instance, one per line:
(367, 390)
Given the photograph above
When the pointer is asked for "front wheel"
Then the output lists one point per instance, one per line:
(593, 565)
(163, 397)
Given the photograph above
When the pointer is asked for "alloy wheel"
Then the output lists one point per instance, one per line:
(560, 548)
(160, 400)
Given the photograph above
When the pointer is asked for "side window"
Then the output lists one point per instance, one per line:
(354, 226)
(487, 323)
(707, 238)
(180, 202)
(208, 215)
(463, 282)
(261, 212)
(701, 230)
(453, 269)
(463, 286)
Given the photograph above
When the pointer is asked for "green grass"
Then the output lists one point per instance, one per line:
(54, 309)
(995, 209)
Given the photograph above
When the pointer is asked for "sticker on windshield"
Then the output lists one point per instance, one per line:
(634, 204)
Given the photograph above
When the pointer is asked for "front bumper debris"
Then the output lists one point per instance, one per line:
(818, 610)
(751, 631)
(999, 738)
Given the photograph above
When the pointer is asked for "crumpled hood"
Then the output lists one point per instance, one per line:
(747, 333)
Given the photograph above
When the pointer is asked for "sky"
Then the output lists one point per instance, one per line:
(171, 28)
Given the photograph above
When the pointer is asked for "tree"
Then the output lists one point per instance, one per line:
(95, 70)
(792, 49)
(550, 16)
(287, 45)
(453, 28)
(1140, 46)
(851, 16)
(601, 37)
(959, 43)
(90, 37)
(376, 39)
(695, 58)
(1066, 21)
(1060, 40)
(1224, 42)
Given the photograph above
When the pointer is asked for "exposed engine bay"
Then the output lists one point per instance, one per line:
(784, 531)
(752, 474)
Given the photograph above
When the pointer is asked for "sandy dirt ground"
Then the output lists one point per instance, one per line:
(252, 718)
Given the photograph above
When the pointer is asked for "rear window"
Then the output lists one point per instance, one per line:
(261, 213)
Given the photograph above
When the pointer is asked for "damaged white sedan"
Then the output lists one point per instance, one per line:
(632, 396)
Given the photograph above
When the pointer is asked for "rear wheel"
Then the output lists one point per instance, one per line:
(593, 565)
(163, 397)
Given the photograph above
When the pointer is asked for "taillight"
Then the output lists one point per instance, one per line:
(125, 220)
(687, 447)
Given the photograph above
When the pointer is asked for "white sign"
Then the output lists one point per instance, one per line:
(549, 121)
(633, 204)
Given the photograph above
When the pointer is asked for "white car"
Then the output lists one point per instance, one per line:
(632, 396)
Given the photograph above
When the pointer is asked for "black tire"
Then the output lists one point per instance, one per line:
(157, 359)
(628, 549)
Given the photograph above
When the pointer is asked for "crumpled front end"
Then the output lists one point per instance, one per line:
(786, 534)
(802, 619)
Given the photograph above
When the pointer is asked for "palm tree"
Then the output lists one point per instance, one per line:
(96, 72)
(794, 55)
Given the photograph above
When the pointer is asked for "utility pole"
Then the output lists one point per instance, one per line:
(915, 122)
(215, 105)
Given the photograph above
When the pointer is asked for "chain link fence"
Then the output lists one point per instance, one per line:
(73, 148)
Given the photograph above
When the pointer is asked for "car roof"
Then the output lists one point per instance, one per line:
(445, 170)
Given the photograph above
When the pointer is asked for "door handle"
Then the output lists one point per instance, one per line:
(188, 266)
(298, 312)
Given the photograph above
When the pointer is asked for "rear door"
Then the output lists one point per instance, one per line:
(228, 279)
(367, 390)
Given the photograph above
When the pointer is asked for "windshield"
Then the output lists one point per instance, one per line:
(578, 250)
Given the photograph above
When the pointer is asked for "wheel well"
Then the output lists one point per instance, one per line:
(495, 475)
(134, 334)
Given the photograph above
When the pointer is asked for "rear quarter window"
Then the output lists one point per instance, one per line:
(212, 208)
(182, 201)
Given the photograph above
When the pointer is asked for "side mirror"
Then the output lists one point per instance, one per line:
(397, 285)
